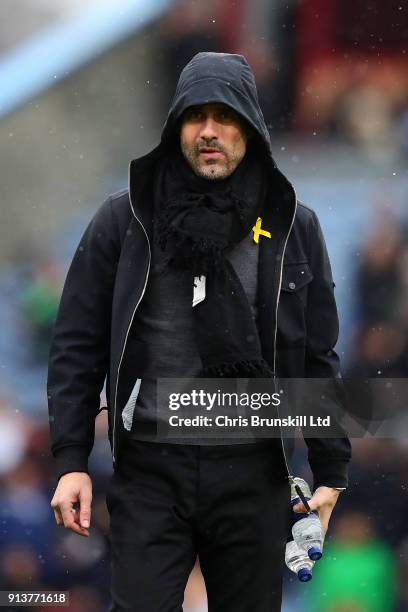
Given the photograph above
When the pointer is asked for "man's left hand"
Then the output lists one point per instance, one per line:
(323, 500)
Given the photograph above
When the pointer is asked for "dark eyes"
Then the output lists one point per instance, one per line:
(193, 115)
(227, 114)
(221, 115)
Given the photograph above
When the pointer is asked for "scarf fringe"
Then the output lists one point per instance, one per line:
(254, 368)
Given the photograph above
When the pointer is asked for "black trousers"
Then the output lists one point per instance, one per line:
(170, 502)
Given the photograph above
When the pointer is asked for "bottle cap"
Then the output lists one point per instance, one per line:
(315, 553)
(304, 574)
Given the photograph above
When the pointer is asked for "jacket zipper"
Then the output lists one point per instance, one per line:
(129, 326)
(290, 476)
(286, 461)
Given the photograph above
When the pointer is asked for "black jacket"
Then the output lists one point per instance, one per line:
(297, 315)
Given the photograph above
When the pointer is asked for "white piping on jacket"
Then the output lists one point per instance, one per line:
(286, 461)
(130, 324)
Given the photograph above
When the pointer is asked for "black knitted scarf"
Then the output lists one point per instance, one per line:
(196, 221)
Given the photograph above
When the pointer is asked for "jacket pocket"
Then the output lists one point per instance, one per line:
(296, 278)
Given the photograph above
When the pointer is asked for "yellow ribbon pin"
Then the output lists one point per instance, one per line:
(258, 231)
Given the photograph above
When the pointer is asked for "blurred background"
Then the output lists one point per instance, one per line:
(86, 85)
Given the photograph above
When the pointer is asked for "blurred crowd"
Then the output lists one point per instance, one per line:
(365, 567)
(379, 345)
(318, 71)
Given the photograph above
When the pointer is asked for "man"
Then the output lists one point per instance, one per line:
(206, 266)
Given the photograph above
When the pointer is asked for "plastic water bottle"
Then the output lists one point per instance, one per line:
(307, 529)
(298, 562)
(308, 534)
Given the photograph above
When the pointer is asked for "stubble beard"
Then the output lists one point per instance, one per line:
(213, 169)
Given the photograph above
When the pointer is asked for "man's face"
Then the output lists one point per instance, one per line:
(213, 139)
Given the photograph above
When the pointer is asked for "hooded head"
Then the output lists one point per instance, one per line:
(217, 80)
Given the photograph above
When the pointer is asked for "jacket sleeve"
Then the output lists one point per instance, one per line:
(79, 351)
(328, 457)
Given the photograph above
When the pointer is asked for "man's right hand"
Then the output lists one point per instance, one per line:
(73, 488)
